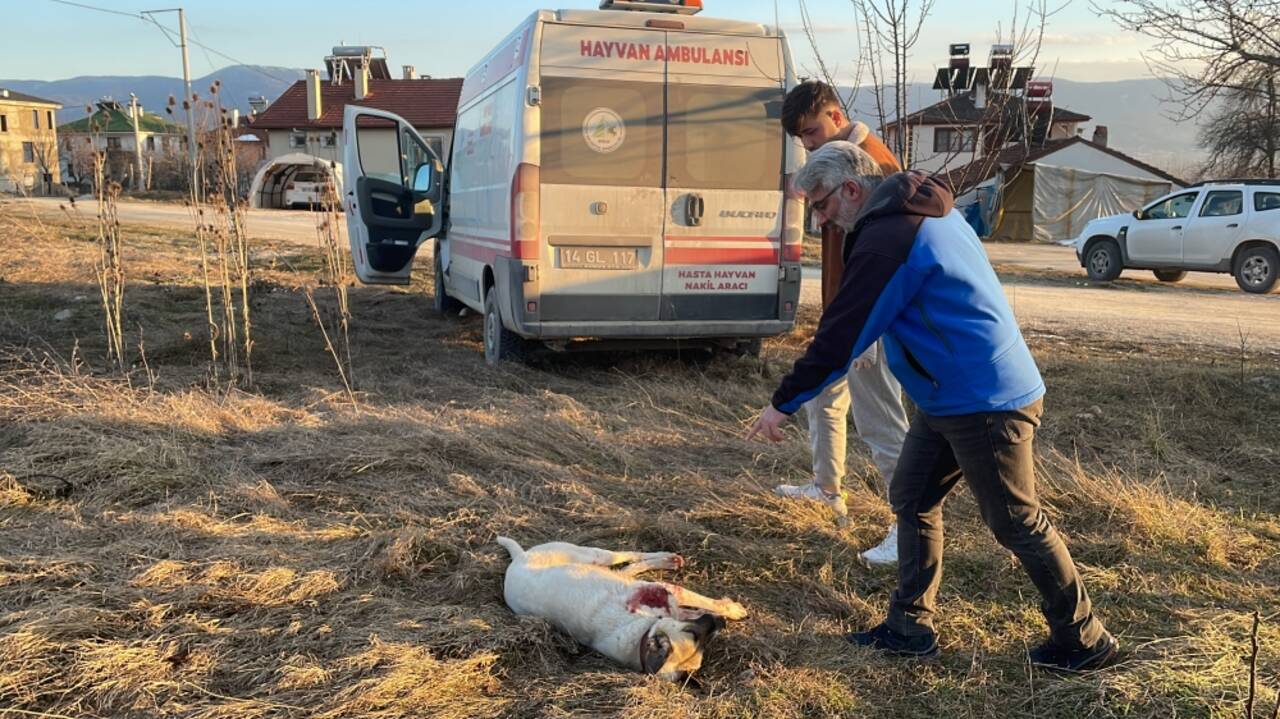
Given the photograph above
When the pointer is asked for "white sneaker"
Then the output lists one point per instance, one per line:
(886, 553)
(812, 491)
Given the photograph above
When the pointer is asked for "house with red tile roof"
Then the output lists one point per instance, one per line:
(303, 127)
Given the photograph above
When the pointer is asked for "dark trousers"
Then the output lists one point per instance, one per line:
(993, 452)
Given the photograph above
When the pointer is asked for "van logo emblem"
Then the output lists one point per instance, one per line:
(748, 214)
(604, 130)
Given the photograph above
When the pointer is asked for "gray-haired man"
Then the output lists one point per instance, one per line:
(917, 275)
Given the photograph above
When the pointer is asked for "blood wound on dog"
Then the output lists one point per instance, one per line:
(651, 596)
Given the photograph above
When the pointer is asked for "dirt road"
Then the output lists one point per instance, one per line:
(1049, 292)
(289, 225)
(1046, 286)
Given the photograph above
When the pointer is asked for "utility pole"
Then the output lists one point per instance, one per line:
(140, 182)
(187, 101)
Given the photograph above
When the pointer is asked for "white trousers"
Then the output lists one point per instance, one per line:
(878, 417)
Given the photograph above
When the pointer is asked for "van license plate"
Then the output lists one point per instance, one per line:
(598, 258)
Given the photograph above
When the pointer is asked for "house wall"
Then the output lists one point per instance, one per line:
(78, 148)
(163, 142)
(1063, 130)
(921, 156)
(16, 173)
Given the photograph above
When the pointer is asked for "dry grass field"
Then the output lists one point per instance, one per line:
(174, 548)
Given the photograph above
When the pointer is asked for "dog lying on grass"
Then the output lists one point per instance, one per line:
(594, 596)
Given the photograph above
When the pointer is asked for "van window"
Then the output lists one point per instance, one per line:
(414, 155)
(601, 132)
(379, 146)
(724, 137)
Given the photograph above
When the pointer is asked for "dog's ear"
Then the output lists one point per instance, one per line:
(657, 649)
(705, 627)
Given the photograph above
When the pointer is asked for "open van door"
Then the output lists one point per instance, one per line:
(393, 192)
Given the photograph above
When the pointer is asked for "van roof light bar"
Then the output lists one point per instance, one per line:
(680, 7)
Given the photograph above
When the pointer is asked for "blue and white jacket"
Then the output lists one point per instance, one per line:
(916, 274)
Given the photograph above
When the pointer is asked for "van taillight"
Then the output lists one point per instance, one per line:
(526, 190)
(792, 220)
(289, 186)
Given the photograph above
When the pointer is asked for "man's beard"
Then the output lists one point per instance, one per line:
(847, 216)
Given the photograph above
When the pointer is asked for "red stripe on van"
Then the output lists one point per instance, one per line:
(527, 250)
(479, 253)
(792, 253)
(718, 256)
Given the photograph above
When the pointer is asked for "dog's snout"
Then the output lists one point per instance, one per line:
(706, 626)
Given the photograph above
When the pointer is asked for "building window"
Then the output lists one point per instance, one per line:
(113, 143)
(4, 123)
(35, 119)
(28, 152)
(48, 116)
(298, 140)
(331, 140)
(954, 139)
(151, 144)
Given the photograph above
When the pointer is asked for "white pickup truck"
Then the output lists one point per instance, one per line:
(1218, 226)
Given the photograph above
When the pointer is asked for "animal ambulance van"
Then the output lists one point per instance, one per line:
(616, 174)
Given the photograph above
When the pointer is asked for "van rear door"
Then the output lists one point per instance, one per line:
(601, 171)
(392, 191)
(724, 177)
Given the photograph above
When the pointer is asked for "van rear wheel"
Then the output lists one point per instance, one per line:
(500, 343)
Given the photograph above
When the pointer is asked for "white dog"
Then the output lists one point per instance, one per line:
(654, 627)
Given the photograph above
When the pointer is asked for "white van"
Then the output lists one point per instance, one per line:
(615, 174)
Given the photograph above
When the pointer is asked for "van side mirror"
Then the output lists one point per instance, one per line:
(424, 178)
(1137, 214)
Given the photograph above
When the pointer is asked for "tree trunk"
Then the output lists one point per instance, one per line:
(1272, 129)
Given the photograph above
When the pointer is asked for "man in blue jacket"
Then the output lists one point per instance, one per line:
(917, 275)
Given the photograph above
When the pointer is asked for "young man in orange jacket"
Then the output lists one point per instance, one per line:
(812, 112)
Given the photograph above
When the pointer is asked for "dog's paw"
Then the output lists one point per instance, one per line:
(730, 609)
(669, 560)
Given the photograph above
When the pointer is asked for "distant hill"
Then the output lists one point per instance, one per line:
(1136, 120)
(239, 82)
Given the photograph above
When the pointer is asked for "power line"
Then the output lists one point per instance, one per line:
(168, 33)
(207, 58)
(93, 7)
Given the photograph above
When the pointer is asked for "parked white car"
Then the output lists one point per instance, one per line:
(1218, 226)
(305, 189)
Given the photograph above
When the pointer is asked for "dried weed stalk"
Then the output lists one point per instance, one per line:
(108, 266)
(225, 259)
(334, 321)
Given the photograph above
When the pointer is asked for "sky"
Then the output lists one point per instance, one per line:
(443, 38)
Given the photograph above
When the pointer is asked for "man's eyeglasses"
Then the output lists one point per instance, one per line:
(821, 205)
